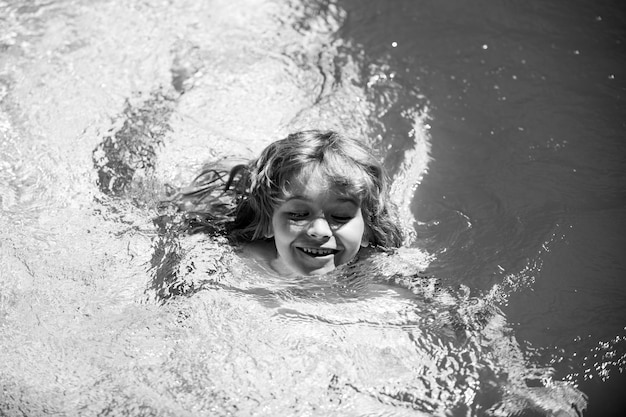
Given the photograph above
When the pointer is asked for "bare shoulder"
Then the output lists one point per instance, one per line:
(260, 255)
(259, 249)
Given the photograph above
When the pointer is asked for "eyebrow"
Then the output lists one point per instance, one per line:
(340, 199)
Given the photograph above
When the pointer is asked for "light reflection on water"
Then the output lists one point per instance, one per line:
(103, 312)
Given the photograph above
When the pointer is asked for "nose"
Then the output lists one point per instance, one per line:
(319, 228)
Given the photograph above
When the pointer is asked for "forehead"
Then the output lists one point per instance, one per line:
(316, 184)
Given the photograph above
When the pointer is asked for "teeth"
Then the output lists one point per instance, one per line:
(313, 251)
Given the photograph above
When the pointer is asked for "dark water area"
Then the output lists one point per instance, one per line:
(527, 106)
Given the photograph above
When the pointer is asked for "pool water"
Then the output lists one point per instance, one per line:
(526, 183)
(499, 123)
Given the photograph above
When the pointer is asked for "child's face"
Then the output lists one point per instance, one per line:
(316, 229)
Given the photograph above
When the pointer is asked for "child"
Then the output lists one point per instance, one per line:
(308, 204)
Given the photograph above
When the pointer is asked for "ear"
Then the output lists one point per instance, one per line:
(269, 232)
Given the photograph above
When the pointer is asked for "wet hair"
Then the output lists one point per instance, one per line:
(344, 164)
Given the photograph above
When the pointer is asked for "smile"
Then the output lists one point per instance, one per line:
(318, 251)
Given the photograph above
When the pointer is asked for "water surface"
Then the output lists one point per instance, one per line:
(107, 309)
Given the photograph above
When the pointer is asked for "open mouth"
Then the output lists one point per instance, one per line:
(318, 252)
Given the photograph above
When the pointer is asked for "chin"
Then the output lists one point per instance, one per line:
(312, 271)
(321, 271)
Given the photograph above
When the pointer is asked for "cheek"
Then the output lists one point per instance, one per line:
(283, 231)
(352, 234)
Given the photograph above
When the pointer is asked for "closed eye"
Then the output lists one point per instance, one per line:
(297, 215)
(342, 219)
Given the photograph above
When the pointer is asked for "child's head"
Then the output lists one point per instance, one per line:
(319, 183)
